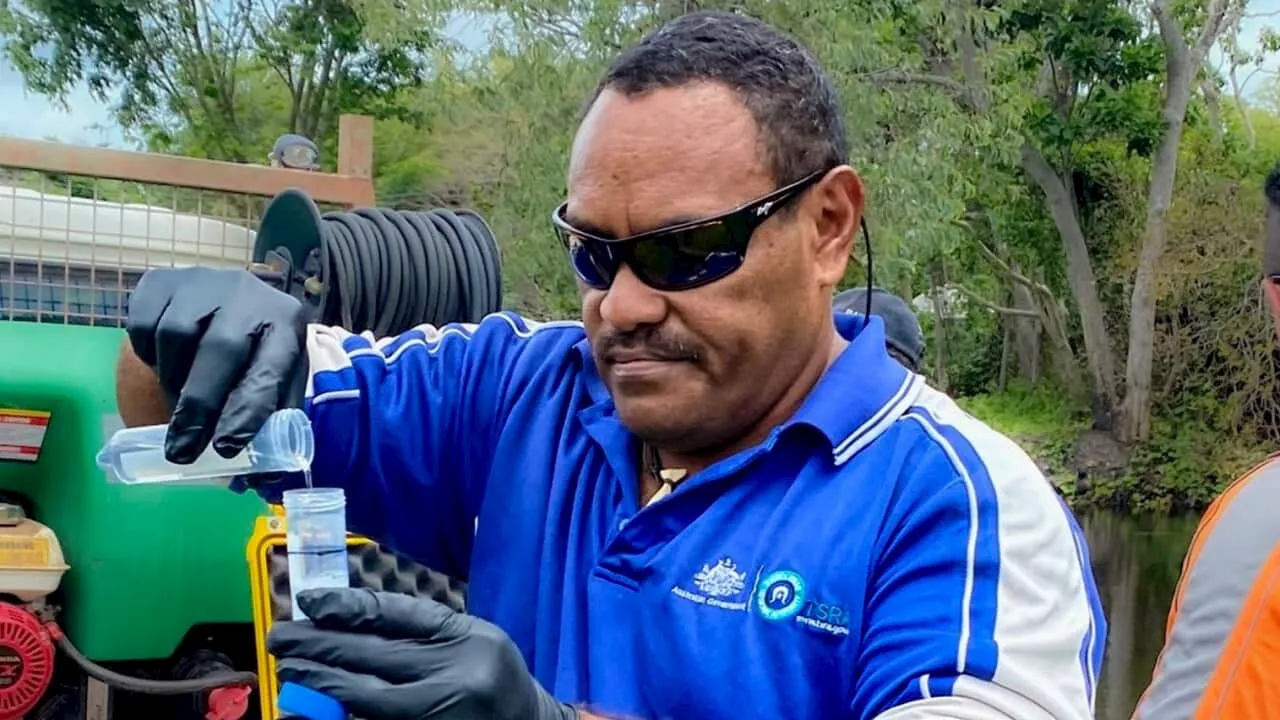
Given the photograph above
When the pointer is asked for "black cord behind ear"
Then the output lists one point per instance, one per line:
(866, 240)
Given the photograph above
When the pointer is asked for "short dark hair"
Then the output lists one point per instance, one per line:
(793, 101)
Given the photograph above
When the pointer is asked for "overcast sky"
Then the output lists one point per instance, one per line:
(86, 121)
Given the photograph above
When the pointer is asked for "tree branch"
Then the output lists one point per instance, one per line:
(963, 94)
(1006, 269)
(970, 68)
(1220, 15)
(1017, 312)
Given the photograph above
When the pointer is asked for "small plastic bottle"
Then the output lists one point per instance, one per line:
(316, 533)
(135, 456)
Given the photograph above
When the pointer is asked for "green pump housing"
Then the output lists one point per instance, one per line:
(147, 564)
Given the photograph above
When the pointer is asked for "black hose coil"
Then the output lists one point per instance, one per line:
(377, 269)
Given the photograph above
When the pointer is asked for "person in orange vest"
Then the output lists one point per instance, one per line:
(1222, 645)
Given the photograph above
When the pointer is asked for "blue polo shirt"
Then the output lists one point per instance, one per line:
(881, 549)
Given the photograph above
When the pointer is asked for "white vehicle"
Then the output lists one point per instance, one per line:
(74, 260)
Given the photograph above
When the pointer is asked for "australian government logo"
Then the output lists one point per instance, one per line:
(779, 596)
(720, 585)
(783, 595)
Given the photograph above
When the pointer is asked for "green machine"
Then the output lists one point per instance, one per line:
(135, 601)
(105, 587)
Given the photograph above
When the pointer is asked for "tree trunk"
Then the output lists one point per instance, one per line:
(1002, 380)
(1084, 287)
(1213, 105)
(936, 283)
(1026, 331)
(1062, 360)
(1181, 65)
(1250, 135)
(1136, 409)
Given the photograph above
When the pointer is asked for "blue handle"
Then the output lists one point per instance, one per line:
(300, 701)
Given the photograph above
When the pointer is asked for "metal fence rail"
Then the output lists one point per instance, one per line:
(71, 247)
(79, 226)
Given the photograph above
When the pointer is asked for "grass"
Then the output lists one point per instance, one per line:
(1035, 415)
(1044, 422)
(1182, 467)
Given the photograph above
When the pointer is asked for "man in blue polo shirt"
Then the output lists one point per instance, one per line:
(707, 500)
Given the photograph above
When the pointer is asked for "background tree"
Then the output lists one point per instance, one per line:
(1053, 184)
(207, 77)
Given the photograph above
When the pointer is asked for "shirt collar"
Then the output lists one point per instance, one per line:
(863, 392)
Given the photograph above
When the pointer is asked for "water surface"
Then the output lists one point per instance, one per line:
(1136, 561)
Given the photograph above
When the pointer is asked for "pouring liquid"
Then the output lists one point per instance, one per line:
(316, 538)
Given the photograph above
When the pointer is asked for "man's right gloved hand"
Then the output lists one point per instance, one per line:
(227, 349)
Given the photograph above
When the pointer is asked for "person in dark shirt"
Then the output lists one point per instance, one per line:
(902, 333)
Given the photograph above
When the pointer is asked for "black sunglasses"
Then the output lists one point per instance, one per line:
(679, 257)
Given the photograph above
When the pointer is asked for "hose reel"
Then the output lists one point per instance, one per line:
(377, 269)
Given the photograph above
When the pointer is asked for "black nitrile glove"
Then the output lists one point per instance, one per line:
(227, 349)
(387, 656)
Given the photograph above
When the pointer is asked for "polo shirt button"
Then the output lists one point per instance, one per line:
(622, 523)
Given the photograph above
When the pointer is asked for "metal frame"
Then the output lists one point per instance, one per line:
(351, 186)
(66, 257)
(73, 259)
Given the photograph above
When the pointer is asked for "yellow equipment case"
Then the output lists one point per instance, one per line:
(371, 566)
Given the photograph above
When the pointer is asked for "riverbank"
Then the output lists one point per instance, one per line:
(1182, 468)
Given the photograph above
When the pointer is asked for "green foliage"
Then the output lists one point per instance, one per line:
(207, 78)
(1039, 420)
(937, 140)
(973, 350)
(1029, 413)
(1104, 63)
(1180, 469)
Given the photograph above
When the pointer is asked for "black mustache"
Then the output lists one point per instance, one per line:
(647, 341)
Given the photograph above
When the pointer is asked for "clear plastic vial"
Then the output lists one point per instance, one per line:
(284, 444)
(316, 533)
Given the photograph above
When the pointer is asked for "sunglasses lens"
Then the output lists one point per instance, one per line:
(594, 263)
(688, 258)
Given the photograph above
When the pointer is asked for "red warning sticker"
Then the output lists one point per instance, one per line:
(22, 434)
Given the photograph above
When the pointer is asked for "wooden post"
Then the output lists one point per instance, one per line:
(352, 186)
(355, 146)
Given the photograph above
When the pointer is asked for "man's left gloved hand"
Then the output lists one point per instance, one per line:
(387, 656)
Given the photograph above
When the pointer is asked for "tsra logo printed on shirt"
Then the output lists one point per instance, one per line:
(784, 594)
(780, 595)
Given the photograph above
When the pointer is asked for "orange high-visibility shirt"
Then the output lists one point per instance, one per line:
(1221, 659)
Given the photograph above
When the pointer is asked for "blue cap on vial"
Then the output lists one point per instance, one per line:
(300, 701)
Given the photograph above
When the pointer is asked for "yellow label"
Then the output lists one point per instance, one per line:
(26, 413)
(24, 552)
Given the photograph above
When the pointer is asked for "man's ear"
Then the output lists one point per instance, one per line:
(1271, 291)
(838, 201)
